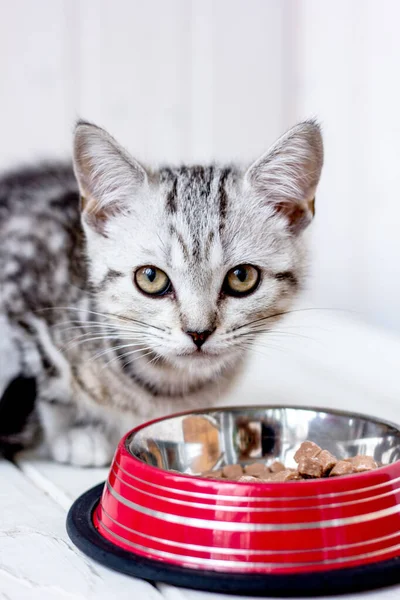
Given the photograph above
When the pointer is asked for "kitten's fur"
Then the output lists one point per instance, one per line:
(67, 283)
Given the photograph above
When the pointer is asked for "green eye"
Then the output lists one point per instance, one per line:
(241, 280)
(152, 281)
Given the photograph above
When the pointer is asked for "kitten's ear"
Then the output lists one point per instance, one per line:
(108, 177)
(287, 175)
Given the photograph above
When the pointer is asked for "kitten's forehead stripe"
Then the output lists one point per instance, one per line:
(208, 245)
(181, 242)
(223, 198)
(197, 203)
(171, 203)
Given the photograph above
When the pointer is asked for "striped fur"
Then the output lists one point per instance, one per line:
(94, 355)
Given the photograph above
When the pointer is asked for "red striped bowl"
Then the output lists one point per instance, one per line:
(154, 505)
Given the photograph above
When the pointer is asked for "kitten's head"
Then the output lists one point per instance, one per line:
(196, 259)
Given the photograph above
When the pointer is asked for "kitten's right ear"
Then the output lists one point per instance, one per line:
(108, 177)
(286, 177)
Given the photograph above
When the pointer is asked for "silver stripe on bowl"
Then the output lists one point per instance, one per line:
(245, 551)
(246, 509)
(238, 498)
(233, 526)
(243, 565)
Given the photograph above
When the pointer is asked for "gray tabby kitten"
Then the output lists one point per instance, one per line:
(127, 294)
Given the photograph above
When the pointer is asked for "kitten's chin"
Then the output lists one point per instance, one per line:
(204, 360)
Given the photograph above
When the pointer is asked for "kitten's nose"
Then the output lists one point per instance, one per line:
(199, 337)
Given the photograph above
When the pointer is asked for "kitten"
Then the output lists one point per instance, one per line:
(127, 294)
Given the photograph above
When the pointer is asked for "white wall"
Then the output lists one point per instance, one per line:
(348, 72)
(202, 79)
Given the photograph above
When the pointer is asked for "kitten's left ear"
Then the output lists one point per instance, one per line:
(287, 175)
(108, 177)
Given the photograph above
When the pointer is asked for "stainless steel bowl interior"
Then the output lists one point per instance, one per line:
(201, 441)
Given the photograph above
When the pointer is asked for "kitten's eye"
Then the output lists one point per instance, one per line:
(241, 280)
(152, 281)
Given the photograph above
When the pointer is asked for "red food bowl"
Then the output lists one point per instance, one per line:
(158, 519)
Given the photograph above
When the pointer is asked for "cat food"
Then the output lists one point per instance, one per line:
(257, 470)
(309, 467)
(312, 463)
(342, 467)
(232, 471)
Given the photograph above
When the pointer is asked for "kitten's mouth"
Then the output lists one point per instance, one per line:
(199, 353)
(204, 353)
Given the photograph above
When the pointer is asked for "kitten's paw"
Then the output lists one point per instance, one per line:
(83, 447)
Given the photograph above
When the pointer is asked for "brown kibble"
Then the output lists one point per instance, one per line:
(256, 469)
(327, 460)
(310, 467)
(313, 463)
(267, 476)
(362, 463)
(342, 467)
(213, 474)
(286, 475)
(307, 449)
(248, 479)
(276, 467)
(232, 471)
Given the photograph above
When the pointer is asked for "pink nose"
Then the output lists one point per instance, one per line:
(199, 337)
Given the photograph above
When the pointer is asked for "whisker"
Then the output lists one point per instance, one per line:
(115, 333)
(251, 348)
(274, 335)
(289, 312)
(73, 343)
(153, 360)
(107, 333)
(128, 354)
(113, 348)
(268, 331)
(268, 345)
(87, 324)
(264, 342)
(104, 315)
(104, 331)
(137, 357)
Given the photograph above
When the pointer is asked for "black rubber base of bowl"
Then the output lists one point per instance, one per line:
(85, 536)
